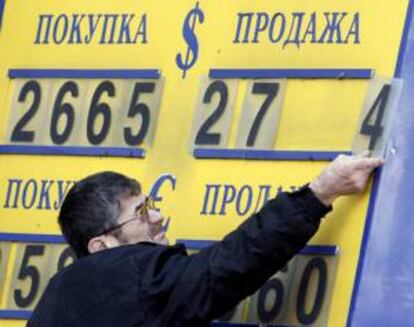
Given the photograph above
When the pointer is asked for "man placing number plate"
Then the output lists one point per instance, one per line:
(127, 275)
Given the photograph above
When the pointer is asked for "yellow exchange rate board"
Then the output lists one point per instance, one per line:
(214, 106)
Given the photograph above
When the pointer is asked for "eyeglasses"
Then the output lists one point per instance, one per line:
(141, 213)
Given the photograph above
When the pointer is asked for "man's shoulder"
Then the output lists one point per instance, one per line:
(96, 280)
(110, 260)
(126, 252)
(98, 273)
(113, 269)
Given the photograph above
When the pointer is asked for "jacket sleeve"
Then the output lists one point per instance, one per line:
(214, 280)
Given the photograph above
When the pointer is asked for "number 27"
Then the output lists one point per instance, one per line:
(258, 114)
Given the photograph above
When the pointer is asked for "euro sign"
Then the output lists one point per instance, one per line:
(191, 56)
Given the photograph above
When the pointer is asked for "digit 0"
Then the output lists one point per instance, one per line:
(319, 265)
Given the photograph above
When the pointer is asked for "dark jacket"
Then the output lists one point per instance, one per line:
(153, 285)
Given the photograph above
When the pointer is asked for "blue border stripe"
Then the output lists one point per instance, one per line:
(84, 73)
(15, 314)
(229, 324)
(267, 154)
(320, 249)
(377, 178)
(232, 324)
(307, 250)
(292, 73)
(32, 238)
(404, 40)
(72, 151)
(2, 3)
(25, 314)
(196, 244)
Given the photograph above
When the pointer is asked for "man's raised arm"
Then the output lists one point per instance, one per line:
(217, 278)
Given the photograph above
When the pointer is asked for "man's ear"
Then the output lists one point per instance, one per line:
(97, 244)
(102, 242)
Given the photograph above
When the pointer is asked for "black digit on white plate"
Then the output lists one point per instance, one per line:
(315, 265)
(102, 109)
(31, 272)
(376, 114)
(139, 109)
(204, 137)
(63, 109)
(259, 117)
(270, 90)
(19, 134)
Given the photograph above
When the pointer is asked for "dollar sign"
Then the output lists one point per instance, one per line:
(191, 39)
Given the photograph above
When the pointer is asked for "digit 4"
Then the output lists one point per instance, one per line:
(375, 130)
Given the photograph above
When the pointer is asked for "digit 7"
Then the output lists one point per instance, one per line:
(271, 90)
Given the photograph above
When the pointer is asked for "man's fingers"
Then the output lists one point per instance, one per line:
(365, 154)
(368, 163)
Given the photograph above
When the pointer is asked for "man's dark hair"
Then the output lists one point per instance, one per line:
(92, 206)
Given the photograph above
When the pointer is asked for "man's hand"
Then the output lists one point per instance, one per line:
(345, 175)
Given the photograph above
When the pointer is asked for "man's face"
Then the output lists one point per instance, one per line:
(147, 225)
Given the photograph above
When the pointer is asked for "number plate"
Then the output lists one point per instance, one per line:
(214, 110)
(268, 305)
(312, 286)
(28, 280)
(4, 261)
(299, 294)
(34, 265)
(86, 112)
(376, 117)
(259, 119)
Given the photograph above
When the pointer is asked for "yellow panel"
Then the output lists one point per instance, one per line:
(315, 114)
